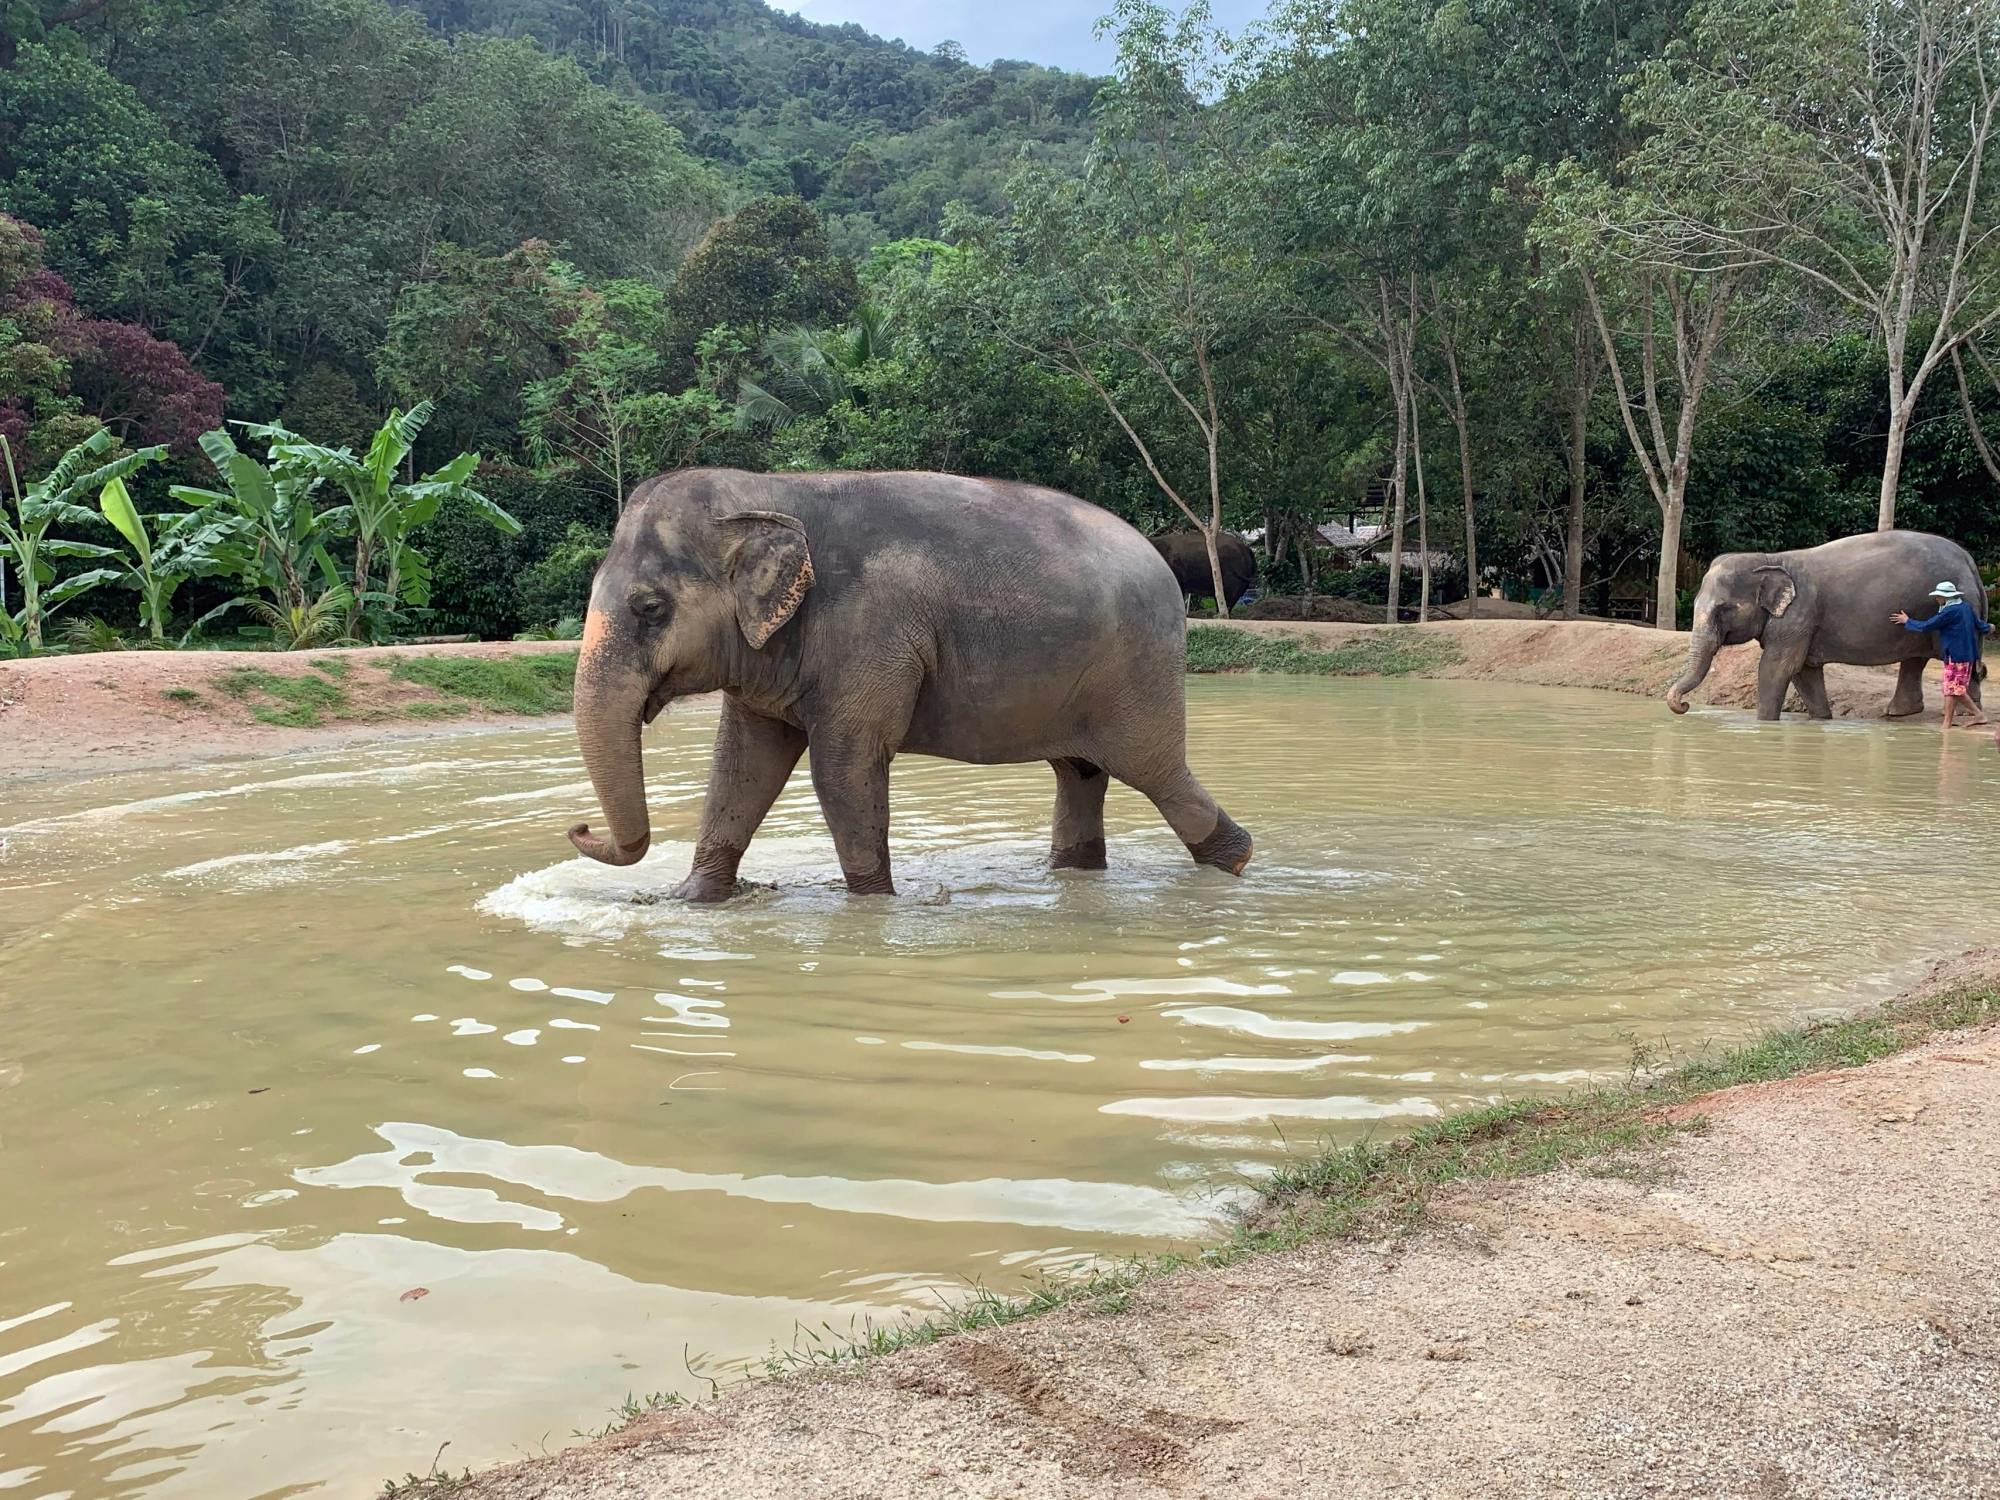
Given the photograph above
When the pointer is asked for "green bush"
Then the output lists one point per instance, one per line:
(475, 571)
(558, 587)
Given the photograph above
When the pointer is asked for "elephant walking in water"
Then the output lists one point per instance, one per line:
(863, 616)
(1823, 604)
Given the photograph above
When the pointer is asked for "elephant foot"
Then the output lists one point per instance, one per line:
(1898, 709)
(1227, 848)
(875, 882)
(1087, 855)
(705, 890)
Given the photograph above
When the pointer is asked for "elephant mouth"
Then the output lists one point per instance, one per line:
(657, 701)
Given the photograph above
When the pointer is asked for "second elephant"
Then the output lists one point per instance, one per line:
(1187, 554)
(1830, 603)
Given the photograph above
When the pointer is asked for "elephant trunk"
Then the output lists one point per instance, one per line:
(610, 713)
(1701, 655)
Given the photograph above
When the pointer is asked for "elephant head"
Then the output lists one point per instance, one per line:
(685, 593)
(1742, 593)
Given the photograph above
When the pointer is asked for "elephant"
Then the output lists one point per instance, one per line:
(1823, 604)
(863, 616)
(1186, 553)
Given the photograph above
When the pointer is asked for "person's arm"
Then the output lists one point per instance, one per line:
(1920, 626)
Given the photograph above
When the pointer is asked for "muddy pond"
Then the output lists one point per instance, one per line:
(344, 1114)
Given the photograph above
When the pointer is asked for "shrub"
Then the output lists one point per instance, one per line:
(558, 587)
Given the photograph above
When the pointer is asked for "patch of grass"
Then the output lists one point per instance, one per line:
(332, 666)
(180, 695)
(1385, 653)
(441, 708)
(1369, 1187)
(529, 685)
(302, 702)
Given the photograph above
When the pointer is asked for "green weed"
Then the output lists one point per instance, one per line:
(1385, 653)
(302, 702)
(180, 695)
(539, 684)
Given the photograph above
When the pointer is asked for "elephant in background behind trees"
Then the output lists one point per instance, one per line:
(864, 616)
(1186, 553)
(1823, 604)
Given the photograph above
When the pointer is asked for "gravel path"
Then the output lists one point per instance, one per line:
(1803, 1300)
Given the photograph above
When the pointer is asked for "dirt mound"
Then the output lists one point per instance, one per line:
(116, 710)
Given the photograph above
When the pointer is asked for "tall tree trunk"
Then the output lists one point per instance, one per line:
(1892, 462)
(1579, 421)
(1423, 512)
(1666, 597)
(1398, 483)
(1461, 420)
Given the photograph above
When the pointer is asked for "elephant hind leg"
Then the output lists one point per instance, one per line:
(1811, 683)
(1210, 834)
(1077, 842)
(1909, 695)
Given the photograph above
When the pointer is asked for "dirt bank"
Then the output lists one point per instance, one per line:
(1800, 1298)
(119, 710)
(1614, 657)
(67, 715)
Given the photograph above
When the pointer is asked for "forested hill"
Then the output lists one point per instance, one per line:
(878, 135)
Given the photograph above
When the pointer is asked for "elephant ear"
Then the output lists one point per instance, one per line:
(769, 569)
(1776, 589)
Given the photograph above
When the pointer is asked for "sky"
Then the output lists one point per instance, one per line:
(1055, 32)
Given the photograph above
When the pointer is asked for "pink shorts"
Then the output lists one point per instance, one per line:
(1957, 679)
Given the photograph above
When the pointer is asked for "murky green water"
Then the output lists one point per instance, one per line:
(286, 1041)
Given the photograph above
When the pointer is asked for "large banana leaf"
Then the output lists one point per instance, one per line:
(69, 588)
(54, 548)
(48, 493)
(64, 474)
(393, 442)
(116, 502)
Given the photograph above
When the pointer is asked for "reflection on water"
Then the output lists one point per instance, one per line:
(287, 1042)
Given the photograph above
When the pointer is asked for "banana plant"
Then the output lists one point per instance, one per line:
(381, 513)
(278, 535)
(189, 545)
(24, 535)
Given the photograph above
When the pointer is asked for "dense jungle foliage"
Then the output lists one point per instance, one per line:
(1571, 297)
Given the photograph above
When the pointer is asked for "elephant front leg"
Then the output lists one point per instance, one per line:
(1078, 840)
(754, 758)
(852, 781)
(1811, 683)
(1775, 672)
(1909, 695)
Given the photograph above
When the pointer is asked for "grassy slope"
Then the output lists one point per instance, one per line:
(1218, 648)
(432, 687)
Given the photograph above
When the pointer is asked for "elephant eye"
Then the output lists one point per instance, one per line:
(651, 607)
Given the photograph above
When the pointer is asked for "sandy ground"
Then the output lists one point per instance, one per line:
(1801, 1301)
(79, 715)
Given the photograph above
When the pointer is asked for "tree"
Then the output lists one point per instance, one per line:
(810, 370)
(767, 266)
(590, 411)
(282, 534)
(1846, 141)
(1134, 279)
(180, 547)
(382, 512)
(24, 536)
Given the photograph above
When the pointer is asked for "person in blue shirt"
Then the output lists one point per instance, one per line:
(1958, 631)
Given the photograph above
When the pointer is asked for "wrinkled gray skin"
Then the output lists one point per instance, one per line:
(1827, 604)
(871, 615)
(1187, 554)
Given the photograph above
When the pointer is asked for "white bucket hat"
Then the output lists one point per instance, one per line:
(1946, 590)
